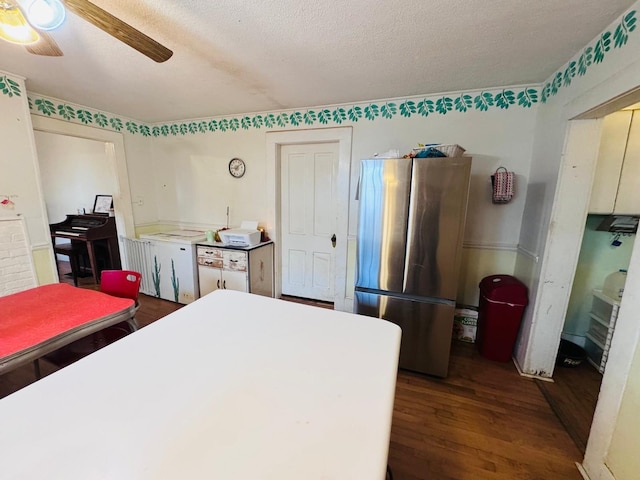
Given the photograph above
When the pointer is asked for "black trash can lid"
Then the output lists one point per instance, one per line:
(504, 288)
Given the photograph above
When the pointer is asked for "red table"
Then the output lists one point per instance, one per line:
(40, 320)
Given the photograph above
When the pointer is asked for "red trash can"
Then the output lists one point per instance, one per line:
(502, 302)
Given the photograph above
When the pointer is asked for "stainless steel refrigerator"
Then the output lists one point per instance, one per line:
(410, 227)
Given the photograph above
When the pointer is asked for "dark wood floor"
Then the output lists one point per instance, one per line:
(573, 396)
(482, 422)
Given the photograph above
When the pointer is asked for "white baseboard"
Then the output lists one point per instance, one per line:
(529, 375)
(582, 471)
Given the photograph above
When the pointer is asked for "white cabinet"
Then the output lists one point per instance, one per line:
(628, 198)
(247, 269)
(173, 271)
(603, 316)
(170, 264)
(616, 186)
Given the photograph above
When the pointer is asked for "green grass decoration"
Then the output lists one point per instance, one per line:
(175, 282)
(156, 275)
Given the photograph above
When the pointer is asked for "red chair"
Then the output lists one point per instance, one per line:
(122, 283)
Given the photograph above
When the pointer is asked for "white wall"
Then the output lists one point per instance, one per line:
(622, 458)
(192, 181)
(142, 169)
(20, 178)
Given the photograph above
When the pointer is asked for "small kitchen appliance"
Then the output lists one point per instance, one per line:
(247, 235)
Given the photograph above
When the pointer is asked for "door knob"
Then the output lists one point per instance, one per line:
(333, 240)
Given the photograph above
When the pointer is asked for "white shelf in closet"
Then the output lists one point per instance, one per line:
(603, 316)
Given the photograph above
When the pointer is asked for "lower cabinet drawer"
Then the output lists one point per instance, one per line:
(234, 261)
(210, 262)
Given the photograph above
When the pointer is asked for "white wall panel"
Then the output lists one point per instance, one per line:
(297, 194)
(323, 194)
(297, 267)
(321, 270)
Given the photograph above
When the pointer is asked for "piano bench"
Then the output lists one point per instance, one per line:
(75, 252)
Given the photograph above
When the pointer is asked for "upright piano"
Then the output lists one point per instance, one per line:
(95, 231)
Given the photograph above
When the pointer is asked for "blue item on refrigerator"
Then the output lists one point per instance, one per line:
(430, 153)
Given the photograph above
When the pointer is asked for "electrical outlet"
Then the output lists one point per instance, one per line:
(139, 200)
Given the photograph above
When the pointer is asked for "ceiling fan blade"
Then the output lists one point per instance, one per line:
(119, 29)
(46, 46)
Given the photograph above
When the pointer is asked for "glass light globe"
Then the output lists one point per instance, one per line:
(45, 14)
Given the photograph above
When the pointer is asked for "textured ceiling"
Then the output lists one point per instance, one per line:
(235, 56)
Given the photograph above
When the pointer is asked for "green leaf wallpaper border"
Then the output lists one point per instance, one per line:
(523, 97)
(423, 106)
(591, 55)
(9, 87)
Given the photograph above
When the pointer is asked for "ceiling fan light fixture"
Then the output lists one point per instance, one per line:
(14, 28)
(44, 14)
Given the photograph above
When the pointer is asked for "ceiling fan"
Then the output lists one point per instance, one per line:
(28, 22)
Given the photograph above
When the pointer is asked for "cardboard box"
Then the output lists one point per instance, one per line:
(465, 324)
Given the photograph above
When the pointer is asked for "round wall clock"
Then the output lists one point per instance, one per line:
(236, 167)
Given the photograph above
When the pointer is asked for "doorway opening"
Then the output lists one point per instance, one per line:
(109, 147)
(606, 247)
(74, 170)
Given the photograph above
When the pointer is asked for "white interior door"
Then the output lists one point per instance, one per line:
(309, 214)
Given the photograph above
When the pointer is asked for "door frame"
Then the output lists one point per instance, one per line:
(565, 234)
(115, 153)
(275, 140)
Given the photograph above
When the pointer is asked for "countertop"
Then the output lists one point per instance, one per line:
(232, 247)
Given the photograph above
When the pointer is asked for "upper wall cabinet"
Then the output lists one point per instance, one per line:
(628, 198)
(616, 186)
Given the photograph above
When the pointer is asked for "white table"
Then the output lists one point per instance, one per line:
(233, 386)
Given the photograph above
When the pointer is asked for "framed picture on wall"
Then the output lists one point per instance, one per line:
(103, 203)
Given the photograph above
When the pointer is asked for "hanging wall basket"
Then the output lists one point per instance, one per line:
(502, 185)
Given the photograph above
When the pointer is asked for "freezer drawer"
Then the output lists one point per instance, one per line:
(426, 329)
